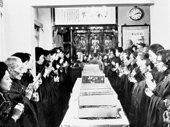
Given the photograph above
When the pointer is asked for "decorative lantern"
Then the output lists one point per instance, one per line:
(62, 30)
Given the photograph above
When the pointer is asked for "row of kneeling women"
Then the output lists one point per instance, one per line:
(140, 75)
(35, 101)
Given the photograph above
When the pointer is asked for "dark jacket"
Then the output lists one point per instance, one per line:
(29, 117)
(6, 108)
(157, 105)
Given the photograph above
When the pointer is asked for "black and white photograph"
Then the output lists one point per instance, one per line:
(84, 63)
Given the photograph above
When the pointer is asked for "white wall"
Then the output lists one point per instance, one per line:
(45, 35)
(18, 26)
(2, 52)
(36, 13)
(160, 23)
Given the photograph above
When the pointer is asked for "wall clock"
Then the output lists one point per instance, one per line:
(136, 13)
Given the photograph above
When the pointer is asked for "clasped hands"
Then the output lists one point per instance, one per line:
(151, 87)
(166, 117)
(17, 112)
(30, 94)
(150, 83)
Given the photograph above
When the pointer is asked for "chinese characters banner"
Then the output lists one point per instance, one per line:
(85, 15)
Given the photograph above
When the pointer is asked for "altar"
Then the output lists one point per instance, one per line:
(71, 118)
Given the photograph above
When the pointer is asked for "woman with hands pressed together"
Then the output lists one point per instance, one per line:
(21, 94)
(159, 93)
(10, 112)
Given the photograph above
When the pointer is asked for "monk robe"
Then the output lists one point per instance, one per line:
(134, 111)
(157, 104)
(128, 86)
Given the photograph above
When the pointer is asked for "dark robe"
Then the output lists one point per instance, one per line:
(106, 70)
(64, 96)
(157, 104)
(134, 107)
(144, 101)
(121, 90)
(139, 105)
(112, 76)
(27, 78)
(49, 101)
(128, 86)
(75, 72)
(48, 93)
(29, 117)
(157, 76)
(136, 98)
(6, 109)
(55, 95)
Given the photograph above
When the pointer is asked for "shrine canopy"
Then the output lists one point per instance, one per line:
(85, 15)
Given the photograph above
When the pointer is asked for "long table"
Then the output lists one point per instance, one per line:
(71, 117)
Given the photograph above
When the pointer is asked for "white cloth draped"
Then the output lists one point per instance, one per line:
(71, 118)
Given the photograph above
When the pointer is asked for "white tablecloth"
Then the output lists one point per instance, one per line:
(71, 118)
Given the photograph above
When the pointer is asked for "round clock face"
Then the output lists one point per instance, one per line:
(136, 13)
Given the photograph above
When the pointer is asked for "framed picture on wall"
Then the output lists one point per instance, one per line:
(135, 34)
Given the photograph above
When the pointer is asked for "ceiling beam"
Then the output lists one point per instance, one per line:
(84, 3)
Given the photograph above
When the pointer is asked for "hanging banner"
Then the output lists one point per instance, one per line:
(85, 15)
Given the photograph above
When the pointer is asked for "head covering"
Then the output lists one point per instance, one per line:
(23, 56)
(3, 68)
(38, 52)
(155, 47)
(165, 53)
